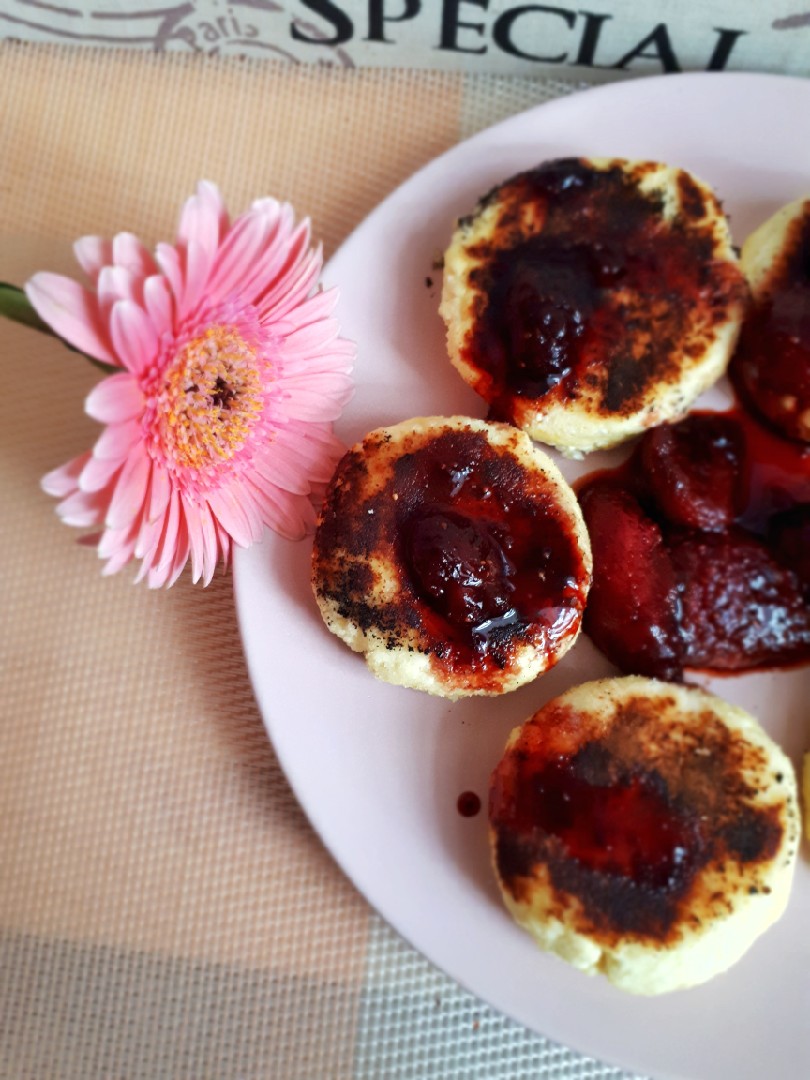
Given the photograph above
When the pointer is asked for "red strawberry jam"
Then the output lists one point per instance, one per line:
(740, 607)
(693, 470)
(627, 827)
(488, 551)
(460, 567)
(725, 586)
(632, 609)
(789, 539)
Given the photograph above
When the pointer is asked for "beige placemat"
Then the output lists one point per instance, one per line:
(165, 909)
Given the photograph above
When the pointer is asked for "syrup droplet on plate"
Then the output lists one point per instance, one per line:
(468, 804)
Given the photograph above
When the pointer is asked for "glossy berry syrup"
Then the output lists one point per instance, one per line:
(627, 828)
(491, 557)
(607, 830)
(725, 586)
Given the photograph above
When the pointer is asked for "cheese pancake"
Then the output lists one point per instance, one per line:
(767, 248)
(453, 554)
(588, 299)
(772, 365)
(644, 830)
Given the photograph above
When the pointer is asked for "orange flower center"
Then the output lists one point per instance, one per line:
(210, 399)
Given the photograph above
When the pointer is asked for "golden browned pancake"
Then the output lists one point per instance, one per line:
(589, 299)
(453, 554)
(644, 830)
(772, 365)
(765, 250)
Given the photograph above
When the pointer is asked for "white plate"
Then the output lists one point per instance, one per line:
(378, 768)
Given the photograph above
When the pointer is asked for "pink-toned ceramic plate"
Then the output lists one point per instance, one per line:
(377, 768)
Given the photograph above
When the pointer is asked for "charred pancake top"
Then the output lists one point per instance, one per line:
(587, 299)
(644, 820)
(453, 554)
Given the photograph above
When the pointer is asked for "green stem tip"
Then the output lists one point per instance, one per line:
(16, 306)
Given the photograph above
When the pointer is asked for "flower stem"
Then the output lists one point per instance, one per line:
(15, 305)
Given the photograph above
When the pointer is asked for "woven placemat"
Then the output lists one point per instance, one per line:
(165, 908)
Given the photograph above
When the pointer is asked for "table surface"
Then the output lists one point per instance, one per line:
(165, 908)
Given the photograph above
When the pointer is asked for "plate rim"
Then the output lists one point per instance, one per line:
(317, 815)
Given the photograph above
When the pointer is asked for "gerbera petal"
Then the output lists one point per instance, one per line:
(292, 286)
(318, 445)
(167, 543)
(282, 212)
(246, 493)
(238, 253)
(282, 263)
(203, 219)
(198, 268)
(117, 546)
(291, 242)
(114, 283)
(317, 399)
(114, 399)
(232, 515)
(223, 543)
(111, 541)
(72, 312)
(337, 359)
(157, 576)
(202, 540)
(271, 262)
(98, 473)
(168, 259)
(129, 494)
(157, 299)
(305, 450)
(210, 545)
(83, 508)
(316, 307)
(313, 337)
(92, 253)
(180, 557)
(291, 516)
(64, 480)
(134, 337)
(281, 469)
(118, 560)
(147, 543)
(130, 253)
(159, 493)
(146, 565)
(195, 538)
(117, 440)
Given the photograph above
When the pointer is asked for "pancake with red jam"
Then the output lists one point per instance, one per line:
(452, 553)
(772, 365)
(644, 831)
(589, 299)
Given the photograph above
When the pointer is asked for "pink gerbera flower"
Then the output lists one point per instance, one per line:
(219, 421)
